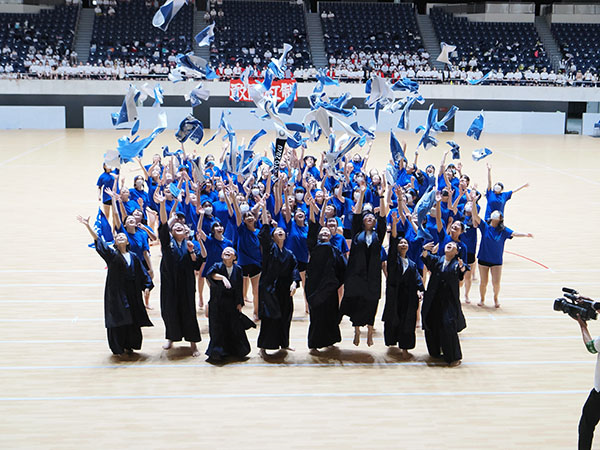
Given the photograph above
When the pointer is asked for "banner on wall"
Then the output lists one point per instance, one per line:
(280, 89)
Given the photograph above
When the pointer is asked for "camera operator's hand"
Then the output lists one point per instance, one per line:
(582, 323)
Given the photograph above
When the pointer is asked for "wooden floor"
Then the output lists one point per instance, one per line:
(523, 381)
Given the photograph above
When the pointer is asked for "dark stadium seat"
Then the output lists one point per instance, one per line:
(369, 27)
(579, 41)
(496, 45)
(131, 27)
(52, 28)
(262, 26)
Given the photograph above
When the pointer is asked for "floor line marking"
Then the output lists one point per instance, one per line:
(31, 150)
(528, 259)
(292, 395)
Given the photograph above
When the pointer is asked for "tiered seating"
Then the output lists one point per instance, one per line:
(261, 26)
(129, 34)
(369, 27)
(582, 41)
(24, 33)
(496, 45)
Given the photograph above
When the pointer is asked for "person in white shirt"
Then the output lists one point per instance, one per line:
(237, 71)
(518, 75)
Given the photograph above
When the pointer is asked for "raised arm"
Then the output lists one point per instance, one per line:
(520, 187)
(489, 177)
(443, 164)
(86, 222)
(366, 158)
(475, 214)
(236, 208)
(359, 204)
(144, 171)
(517, 234)
(438, 211)
(160, 200)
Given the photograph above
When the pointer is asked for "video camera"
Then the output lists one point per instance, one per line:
(576, 305)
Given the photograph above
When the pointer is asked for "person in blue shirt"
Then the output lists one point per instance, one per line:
(451, 233)
(297, 234)
(248, 246)
(493, 236)
(310, 162)
(469, 239)
(138, 192)
(106, 181)
(495, 195)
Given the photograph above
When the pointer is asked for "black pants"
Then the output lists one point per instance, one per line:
(590, 416)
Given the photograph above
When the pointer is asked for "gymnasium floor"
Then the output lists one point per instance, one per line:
(525, 373)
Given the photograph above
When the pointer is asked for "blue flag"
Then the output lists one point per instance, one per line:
(103, 229)
(455, 149)
(206, 36)
(128, 112)
(481, 153)
(476, 127)
(166, 13)
(190, 128)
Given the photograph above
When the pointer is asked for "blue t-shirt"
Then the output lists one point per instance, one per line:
(315, 173)
(130, 206)
(248, 246)
(444, 239)
(401, 228)
(138, 243)
(220, 211)
(491, 247)
(454, 182)
(296, 241)
(469, 237)
(496, 202)
(348, 205)
(214, 249)
(134, 194)
(337, 240)
(105, 180)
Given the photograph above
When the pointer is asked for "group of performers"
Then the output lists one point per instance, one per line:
(291, 225)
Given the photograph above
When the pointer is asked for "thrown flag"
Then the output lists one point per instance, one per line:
(476, 127)
(166, 13)
(206, 36)
(481, 153)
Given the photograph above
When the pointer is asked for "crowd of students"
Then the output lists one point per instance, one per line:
(329, 231)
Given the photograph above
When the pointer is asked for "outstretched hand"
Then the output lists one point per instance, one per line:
(84, 220)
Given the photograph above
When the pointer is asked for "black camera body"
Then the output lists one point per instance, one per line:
(575, 305)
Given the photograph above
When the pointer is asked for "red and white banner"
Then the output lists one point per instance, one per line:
(280, 89)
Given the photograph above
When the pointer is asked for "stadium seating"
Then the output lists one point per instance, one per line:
(369, 27)
(52, 28)
(496, 45)
(262, 26)
(581, 40)
(129, 34)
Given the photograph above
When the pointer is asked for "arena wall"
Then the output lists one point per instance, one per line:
(74, 96)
